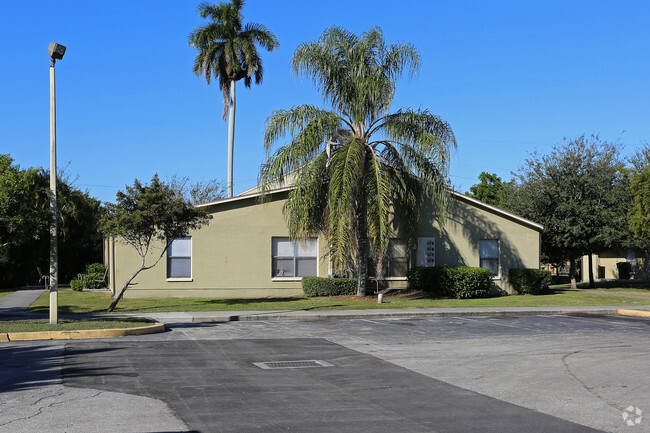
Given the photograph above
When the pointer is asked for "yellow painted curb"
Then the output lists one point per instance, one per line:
(89, 333)
(635, 313)
(3, 336)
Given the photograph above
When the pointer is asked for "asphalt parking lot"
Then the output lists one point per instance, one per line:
(526, 373)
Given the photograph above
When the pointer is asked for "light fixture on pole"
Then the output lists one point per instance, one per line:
(56, 52)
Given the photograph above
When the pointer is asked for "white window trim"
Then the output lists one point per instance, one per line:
(288, 278)
(182, 279)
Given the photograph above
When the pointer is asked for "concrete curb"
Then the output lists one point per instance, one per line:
(634, 313)
(379, 314)
(89, 333)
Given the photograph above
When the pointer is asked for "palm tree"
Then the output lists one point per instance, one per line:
(357, 168)
(227, 50)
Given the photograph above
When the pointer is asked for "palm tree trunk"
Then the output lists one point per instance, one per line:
(363, 257)
(231, 135)
(364, 246)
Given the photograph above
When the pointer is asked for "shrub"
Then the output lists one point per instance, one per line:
(96, 268)
(318, 286)
(77, 285)
(530, 281)
(92, 279)
(426, 280)
(461, 282)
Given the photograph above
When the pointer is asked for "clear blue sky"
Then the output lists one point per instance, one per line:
(511, 77)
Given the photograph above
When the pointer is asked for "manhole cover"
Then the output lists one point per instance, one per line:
(293, 364)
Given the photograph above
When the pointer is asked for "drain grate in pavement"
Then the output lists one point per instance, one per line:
(293, 364)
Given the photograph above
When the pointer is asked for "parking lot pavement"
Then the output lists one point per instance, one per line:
(217, 386)
(433, 374)
(33, 398)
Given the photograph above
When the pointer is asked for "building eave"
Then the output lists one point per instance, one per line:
(243, 196)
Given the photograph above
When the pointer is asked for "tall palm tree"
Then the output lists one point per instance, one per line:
(357, 166)
(227, 50)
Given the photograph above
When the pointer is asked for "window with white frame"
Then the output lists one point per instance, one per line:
(489, 255)
(398, 260)
(294, 259)
(179, 258)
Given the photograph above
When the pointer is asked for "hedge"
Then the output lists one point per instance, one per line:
(461, 282)
(530, 281)
(318, 286)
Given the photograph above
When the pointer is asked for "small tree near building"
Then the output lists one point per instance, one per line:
(145, 214)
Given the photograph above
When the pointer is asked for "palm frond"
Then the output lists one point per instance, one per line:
(226, 49)
(308, 127)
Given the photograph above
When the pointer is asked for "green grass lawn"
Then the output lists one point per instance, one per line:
(5, 292)
(32, 325)
(71, 302)
(640, 288)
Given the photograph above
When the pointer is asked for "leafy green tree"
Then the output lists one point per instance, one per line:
(227, 50)
(357, 164)
(145, 214)
(640, 213)
(25, 220)
(580, 193)
(641, 158)
(489, 190)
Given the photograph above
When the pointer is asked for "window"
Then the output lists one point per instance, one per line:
(489, 255)
(398, 261)
(294, 259)
(179, 258)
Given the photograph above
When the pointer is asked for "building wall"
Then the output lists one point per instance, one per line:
(457, 241)
(230, 254)
(231, 257)
(608, 260)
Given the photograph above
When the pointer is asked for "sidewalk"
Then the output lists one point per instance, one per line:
(16, 304)
(236, 316)
(18, 301)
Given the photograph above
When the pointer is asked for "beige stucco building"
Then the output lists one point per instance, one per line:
(245, 251)
(604, 264)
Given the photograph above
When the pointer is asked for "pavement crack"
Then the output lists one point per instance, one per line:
(40, 409)
(584, 385)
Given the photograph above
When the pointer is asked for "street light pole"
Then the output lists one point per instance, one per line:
(55, 51)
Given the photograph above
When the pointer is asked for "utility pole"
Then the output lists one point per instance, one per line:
(55, 51)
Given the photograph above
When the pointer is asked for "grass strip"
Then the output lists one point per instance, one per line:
(71, 302)
(5, 292)
(36, 325)
(623, 288)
